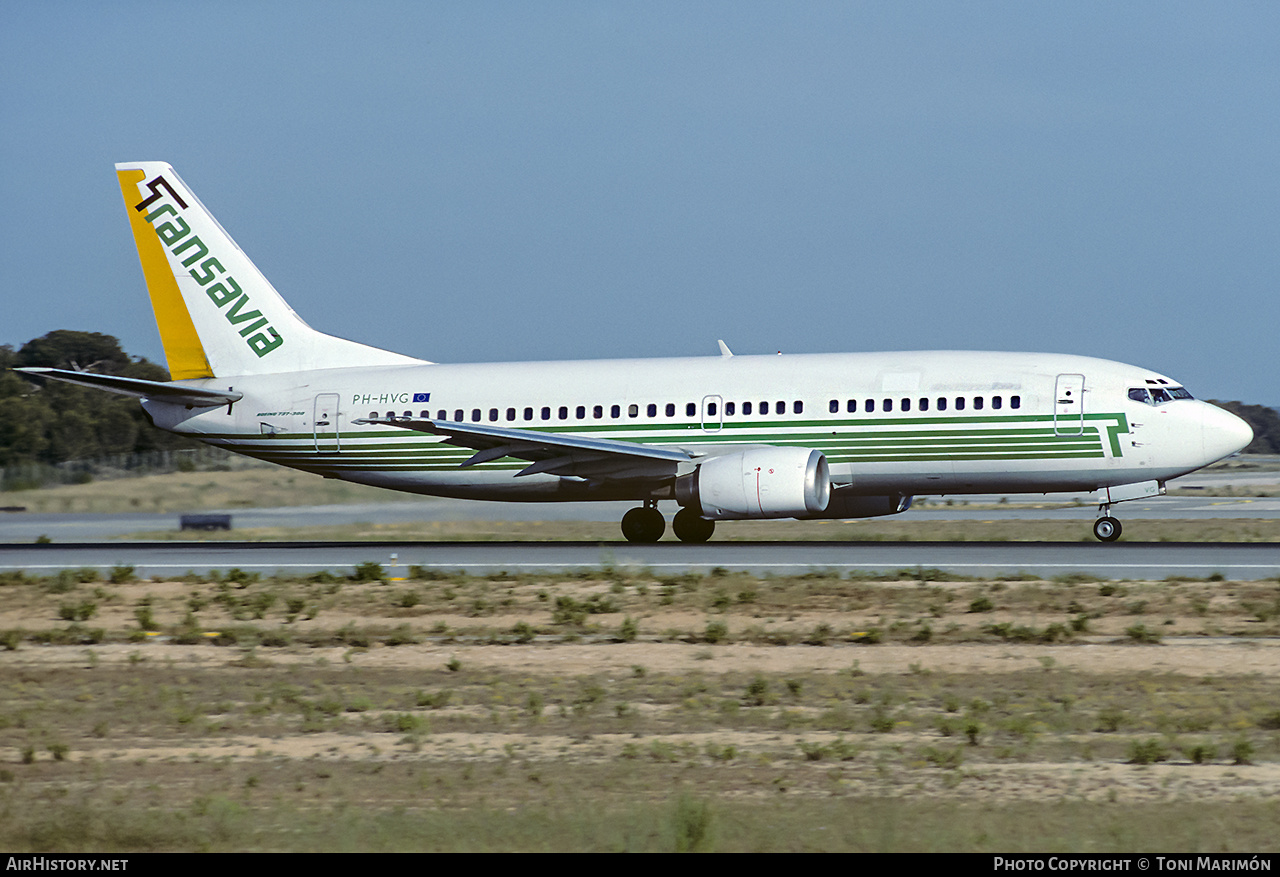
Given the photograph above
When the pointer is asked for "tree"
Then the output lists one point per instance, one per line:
(49, 422)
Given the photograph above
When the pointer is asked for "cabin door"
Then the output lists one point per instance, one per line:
(1068, 405)
(325, 423)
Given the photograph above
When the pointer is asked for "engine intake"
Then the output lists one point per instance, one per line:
(758, 483)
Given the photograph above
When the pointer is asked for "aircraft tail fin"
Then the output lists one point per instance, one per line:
(217, 314)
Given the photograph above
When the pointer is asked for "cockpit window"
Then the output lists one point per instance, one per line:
(1158, 395)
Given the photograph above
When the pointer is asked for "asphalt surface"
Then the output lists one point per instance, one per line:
(24, 527)
(1147, 561)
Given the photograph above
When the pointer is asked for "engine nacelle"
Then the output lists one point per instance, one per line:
(844, 504)
(758, 483)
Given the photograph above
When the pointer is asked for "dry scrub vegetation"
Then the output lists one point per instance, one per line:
(622, 710)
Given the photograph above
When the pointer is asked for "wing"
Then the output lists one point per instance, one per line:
(192, 397)
(552, 453)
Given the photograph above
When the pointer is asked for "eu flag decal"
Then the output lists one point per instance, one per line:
(422, 397)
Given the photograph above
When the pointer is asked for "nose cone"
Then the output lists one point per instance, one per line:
(1224, 433)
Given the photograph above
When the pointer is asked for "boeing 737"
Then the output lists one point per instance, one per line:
(725, 437)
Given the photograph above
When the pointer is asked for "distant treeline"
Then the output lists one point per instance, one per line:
(47, 422)
(51, 422)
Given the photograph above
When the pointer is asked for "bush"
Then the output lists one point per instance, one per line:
(368, 572)
(757, 692)
(629, 630)
(982, 604)
(716, 632)
(1140, 634)
(1200, 753)
(1147, 752)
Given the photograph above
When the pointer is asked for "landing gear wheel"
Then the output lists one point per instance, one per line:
(1107, 529)
(643, 525)
(689, 526)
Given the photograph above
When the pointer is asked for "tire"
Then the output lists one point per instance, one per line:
(643, 525)
(689, 526)
(1107, 529)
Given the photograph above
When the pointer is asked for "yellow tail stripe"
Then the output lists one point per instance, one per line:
(182, 348)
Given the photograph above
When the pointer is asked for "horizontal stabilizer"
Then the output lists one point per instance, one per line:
(158, 391)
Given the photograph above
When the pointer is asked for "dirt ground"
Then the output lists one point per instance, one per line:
(520, 692)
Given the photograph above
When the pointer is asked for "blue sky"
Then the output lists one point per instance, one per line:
(506, 181)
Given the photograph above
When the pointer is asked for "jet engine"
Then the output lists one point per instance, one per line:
(758, 483)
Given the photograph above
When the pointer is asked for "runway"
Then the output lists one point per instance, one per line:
(1145, 561)
(81, 527)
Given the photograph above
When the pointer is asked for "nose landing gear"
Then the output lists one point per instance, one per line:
(1106, 528)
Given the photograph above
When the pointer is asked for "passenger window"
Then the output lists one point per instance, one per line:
(746, 407)
(729, 408)
(391, 415)
(373, 415)
(959, 403)
(977, 403)
(597, 411)
(581, 412)
(511, 414)
(563, 412)
(690, 410)
(996, 402)
(906, 404)
(651, 410)
(869, 406)
(780, 408)
(1015, 401)
(797, 407)
(546, 412)
(493, 414)
(711, 409)
(528, 414)
(834, 406)
(615, 412)
(457, 415)
(671, 409)
(475, 414)
(851, 406)
(886, 405)
(924, 403)
(942, 403)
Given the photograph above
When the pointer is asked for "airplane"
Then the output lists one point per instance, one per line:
(810, 436)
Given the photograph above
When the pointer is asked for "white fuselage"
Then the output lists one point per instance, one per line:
(903, 423)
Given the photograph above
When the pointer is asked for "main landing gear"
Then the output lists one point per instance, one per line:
(647, 525)
(644, 524)
(1106, 528)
